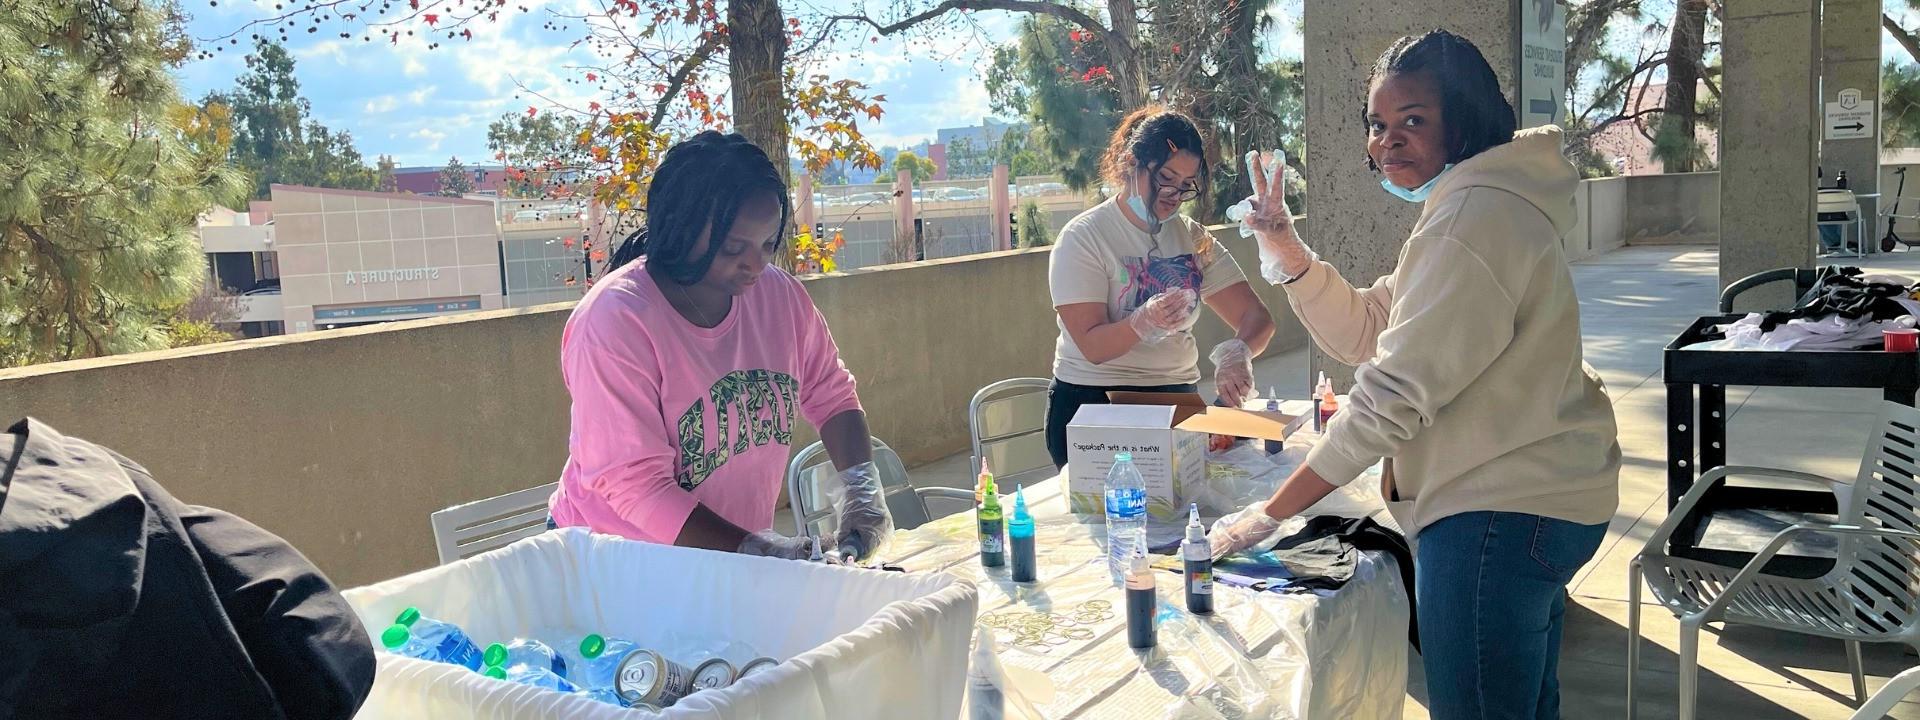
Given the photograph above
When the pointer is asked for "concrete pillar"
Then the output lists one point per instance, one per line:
(1350, 221)
(1769, 131)
(904, 250)
(803, 209)
(1000, 209)
(1850, 60)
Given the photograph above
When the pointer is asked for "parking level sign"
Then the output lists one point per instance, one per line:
(1849, 117)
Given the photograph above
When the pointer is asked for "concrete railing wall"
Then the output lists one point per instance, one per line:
(1645, 210)
(344, 441)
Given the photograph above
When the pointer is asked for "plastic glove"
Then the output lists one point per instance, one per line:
(865, 524)
(772, 544)
(1232, 372)
(1242, 531)
(1164, 314)
(1267, 218)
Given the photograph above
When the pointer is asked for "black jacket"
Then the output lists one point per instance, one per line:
(117, 600)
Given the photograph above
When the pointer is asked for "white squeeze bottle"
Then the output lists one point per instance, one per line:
(1126, 493)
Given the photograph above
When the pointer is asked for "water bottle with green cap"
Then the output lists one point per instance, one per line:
(600, 658)
(530, 675)
(418, 636)
(532, 653)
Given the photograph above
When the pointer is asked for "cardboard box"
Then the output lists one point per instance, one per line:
(1167, 434)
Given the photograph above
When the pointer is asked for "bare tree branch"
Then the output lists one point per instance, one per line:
(1902, 35)
(1063, 11)
(679, 78)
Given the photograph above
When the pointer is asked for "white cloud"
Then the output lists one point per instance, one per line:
(334, 50)
(420, 96)
(412, 67)
(431, 136)
(384, 103)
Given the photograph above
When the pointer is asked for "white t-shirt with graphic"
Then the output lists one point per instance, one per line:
(1102, 258)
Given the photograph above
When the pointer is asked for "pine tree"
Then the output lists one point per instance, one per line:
(108, 172)
(454, 178)
(276, 141)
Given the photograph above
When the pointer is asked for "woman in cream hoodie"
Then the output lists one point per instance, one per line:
(1502, 460)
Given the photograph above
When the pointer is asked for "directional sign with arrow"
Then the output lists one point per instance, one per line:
(1849, 117)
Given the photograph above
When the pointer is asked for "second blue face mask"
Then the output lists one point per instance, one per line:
(1418, 194)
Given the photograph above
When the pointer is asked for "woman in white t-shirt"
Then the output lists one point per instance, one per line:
(1129, 274)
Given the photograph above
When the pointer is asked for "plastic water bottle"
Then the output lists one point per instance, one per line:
(532, 653)
(600, 658)
(531, 675)
(1126, 493)
(418, 636)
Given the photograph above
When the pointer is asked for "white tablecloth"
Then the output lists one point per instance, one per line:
(1340, 654)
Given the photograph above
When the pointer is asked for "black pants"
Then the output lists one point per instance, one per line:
(1065, 398)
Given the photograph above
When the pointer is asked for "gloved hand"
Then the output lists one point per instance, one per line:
(1266, 217)
(865, 524)
(772, 544)
(1232, 372)
(1163, 315)
(1242, 531)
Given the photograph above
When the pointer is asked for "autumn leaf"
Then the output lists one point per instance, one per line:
(591, 77)
(532, 111)
(432, 19)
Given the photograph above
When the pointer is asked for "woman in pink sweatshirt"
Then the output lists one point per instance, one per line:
(688, 364)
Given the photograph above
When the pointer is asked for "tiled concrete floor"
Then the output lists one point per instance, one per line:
(1633, 302)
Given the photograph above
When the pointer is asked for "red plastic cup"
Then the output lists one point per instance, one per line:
(1901, 340)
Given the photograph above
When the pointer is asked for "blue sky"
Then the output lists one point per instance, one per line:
(423, 106)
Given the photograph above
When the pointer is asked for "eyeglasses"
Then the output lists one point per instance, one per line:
(1185, 192)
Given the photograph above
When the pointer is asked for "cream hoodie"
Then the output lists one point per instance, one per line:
(1470, 374)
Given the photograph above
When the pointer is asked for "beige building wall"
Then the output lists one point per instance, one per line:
(344, 250)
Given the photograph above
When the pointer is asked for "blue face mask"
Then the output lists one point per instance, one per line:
(1418, 194)
(1139, 208)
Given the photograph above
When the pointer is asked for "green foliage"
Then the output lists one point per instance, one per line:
(188, 333)
(455, 179)
(1899, 105)
(1035, 231)
(276, 141)
(107, 174)
(541, 152)
(1014, 151)
(921, 168)
(384, 171)
(1056, 80)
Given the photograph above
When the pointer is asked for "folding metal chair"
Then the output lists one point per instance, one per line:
(811, 472)
(1008, 422)
(466, 530)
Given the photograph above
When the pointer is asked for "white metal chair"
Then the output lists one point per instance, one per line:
(811, 471)
(1896, 690)
(466, 530)
(1008, 421)
(1872, 594)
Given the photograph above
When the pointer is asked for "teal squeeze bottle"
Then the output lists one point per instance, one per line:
(1020, 533)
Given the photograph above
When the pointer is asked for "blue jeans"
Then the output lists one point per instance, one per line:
(1491, 592)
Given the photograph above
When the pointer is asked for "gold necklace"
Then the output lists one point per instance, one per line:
(704, 322)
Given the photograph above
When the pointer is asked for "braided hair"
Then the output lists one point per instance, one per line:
(704, 179)
(1475, 111)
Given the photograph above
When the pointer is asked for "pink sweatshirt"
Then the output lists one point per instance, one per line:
(668, 415)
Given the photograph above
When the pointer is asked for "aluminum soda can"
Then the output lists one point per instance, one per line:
(758, 664)
(648, 677)
(714, 674)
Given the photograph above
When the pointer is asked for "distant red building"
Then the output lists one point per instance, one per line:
(487, 179)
